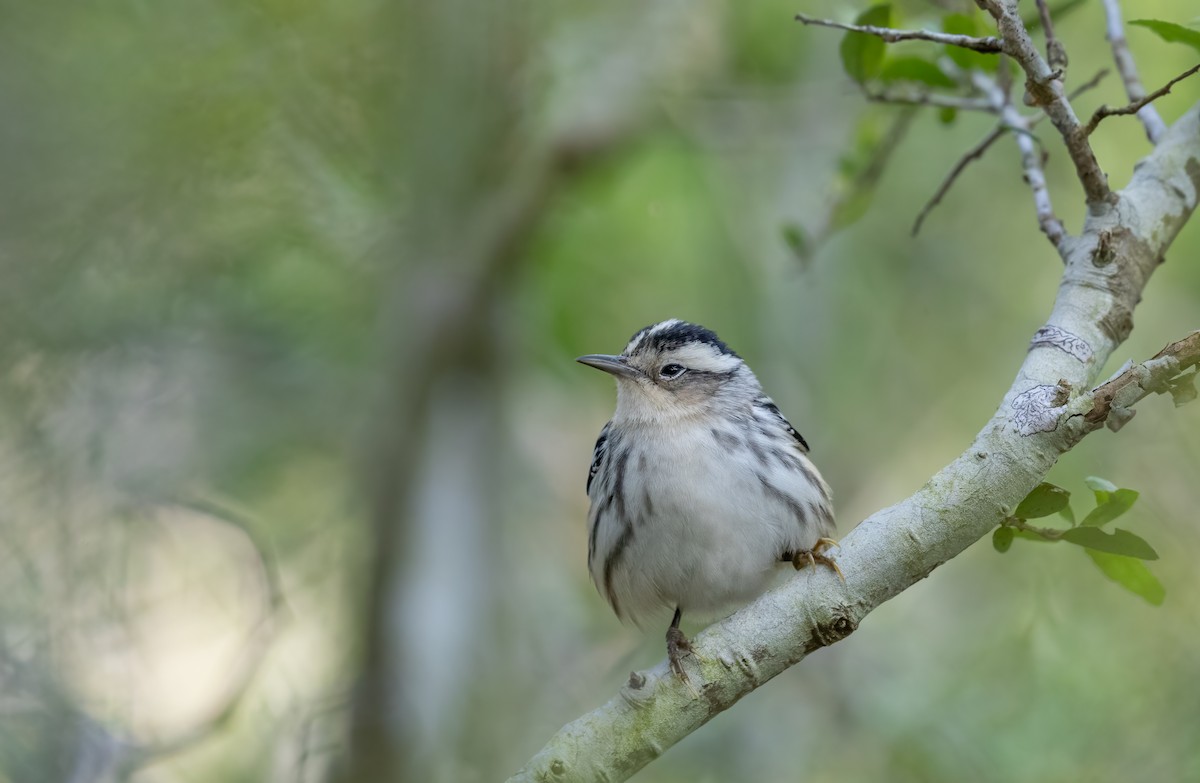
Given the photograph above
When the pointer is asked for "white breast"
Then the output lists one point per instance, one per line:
(699, 519)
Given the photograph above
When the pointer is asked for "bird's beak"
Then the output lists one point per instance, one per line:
(617, 365)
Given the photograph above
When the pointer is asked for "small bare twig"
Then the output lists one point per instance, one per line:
(1004, 77)
(987, 45)
(1138, 105)
(1155, 127)
(1143, 379)
(1045, 89)
(930, 99)
(997, 93)
(974, 153)
(1032, 158)
(1090, 84)
(1048, 533)
(1056, 53)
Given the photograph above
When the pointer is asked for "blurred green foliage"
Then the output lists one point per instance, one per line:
(862, 54)
(212, 216)
(1117, 553)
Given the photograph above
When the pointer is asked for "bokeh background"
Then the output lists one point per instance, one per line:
(293, 444)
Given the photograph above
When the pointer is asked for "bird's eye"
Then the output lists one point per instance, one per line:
(672, 371)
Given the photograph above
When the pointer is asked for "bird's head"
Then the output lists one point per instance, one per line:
(675, 369)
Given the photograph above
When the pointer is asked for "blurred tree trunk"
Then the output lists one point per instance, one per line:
(480, 156)
(451, 117)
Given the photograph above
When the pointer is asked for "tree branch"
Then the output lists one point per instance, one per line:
(1056, 53)
(1153, 376)
(1155, 127)
(1031, 159)
(987, 45)
(1044, 88)
(1138, 105)
(1039, 419)
(1051, 226)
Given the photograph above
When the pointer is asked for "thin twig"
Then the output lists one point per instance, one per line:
(1090, 84)
(974, 153)
(1032, 158)
(1155, 127)
(1056, 53)
(1140, 380)
(1048, 533)
(987, 45)
(1138, 105)
(930, 99)
(1045, 89)
(1004, 76)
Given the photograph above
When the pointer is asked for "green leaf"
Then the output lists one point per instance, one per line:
(1118, 502)
(1119, 542)
(947, 115)
(1002, 538)
(962, 24)
(1099, 484)
(862, 54)
(869, 133)
(851, 208)
(1067, 514)
(1044, 500)
(967, 24)
(1102, 487)
(1131, 574)
(914, 69)
(797, 240)
(859, 168)
(1170, 32)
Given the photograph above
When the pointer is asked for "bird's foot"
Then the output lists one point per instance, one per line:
(814, 556)
(677, 647)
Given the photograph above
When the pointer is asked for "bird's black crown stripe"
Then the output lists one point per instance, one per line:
(679, 334)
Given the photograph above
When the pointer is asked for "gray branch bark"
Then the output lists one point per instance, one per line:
(1155, 127)
(986, 45)
(1043, 414)
(1044, 88)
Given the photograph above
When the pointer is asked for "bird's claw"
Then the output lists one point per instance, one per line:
(677, 647)
(814, 556)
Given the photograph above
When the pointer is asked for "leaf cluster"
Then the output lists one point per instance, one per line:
(1120, 555)
(867, 58)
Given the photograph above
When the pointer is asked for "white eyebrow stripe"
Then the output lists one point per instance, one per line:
(703, 357)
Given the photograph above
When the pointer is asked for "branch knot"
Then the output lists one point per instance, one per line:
(837, 627)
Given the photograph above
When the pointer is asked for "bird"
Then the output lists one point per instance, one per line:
(699, 488)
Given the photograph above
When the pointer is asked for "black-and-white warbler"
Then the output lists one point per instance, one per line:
(699, 487)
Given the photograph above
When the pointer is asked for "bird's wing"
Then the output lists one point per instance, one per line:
(598, 455)
(768, 405)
